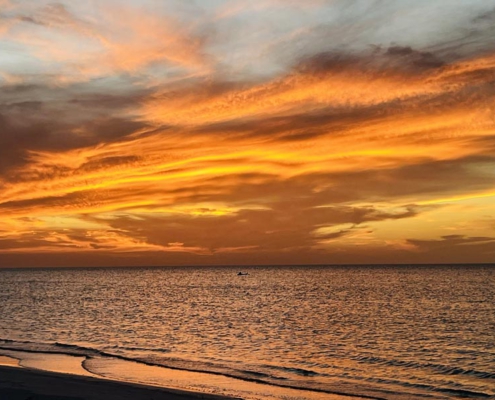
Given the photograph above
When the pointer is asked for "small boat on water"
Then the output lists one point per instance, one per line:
(240, 273)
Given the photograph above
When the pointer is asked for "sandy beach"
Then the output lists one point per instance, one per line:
(24, 384)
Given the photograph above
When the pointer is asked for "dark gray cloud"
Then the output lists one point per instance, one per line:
(460, 248)
(286, 226)
(16, 138)
(423, 60)
(394, 59)
(75, 200)
(426, 179)
(110, 101)
(42, 117)
(35, 240)
(51, 15)
(31, 131)
(299, 125)
(98, 163)
(485, 17)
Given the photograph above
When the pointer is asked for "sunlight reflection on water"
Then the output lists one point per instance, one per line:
(375, 330)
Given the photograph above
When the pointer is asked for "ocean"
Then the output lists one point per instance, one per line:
(295, 332)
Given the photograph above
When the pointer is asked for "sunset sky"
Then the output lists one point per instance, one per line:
(171, 132)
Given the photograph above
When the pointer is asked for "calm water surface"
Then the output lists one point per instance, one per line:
(385, 332)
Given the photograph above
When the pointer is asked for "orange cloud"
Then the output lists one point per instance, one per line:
(338, 153)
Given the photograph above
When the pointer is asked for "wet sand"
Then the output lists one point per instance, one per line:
(24, 384)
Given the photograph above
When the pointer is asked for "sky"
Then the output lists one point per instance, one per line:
(220, 132)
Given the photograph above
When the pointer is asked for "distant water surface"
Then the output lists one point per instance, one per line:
(391, 332)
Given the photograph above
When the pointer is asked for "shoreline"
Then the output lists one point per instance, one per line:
(18, 383)
(39, 368)
(174, 381)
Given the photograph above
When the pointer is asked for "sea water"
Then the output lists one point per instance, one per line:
(300, 332)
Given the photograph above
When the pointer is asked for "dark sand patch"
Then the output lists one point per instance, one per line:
(24, 384)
